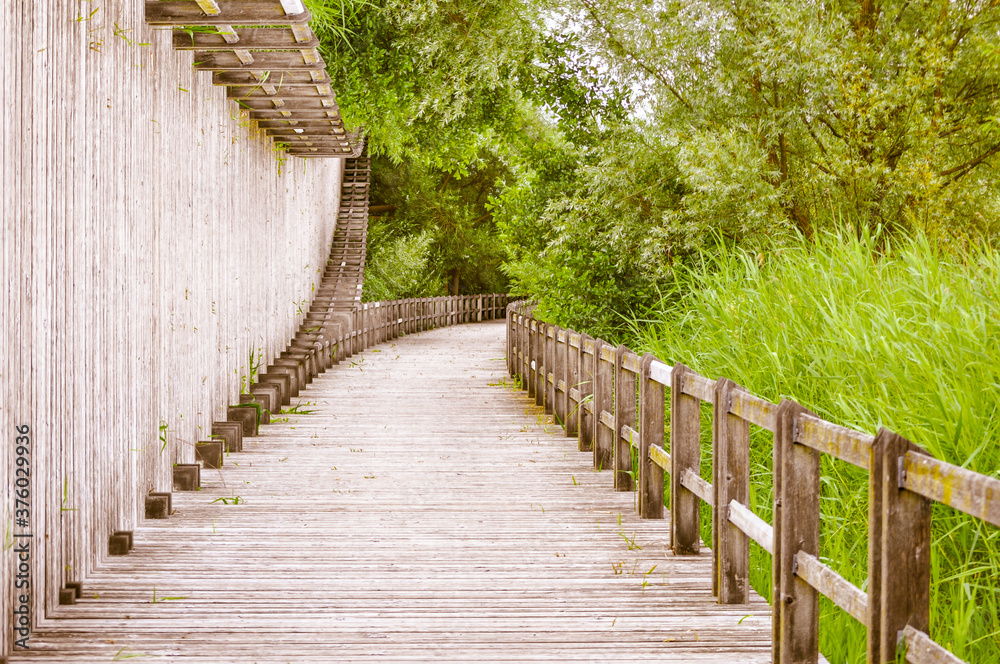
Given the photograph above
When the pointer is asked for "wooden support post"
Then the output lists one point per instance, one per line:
(652, 398)
(572, 383)
(685, 454)
(731, 462)
(798, 608)
(603, 401)
(539, 358)
(588, 374)
(561, 396)
(550, 368)
(906, 549)
(624, 412)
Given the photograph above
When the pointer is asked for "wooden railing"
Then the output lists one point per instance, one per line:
(615, 401)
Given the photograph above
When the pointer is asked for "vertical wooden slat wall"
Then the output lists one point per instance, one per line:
(149, 244)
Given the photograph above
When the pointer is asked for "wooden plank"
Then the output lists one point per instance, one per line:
(630, 361)
(247, 38)
(698, 486)
(959, 488)
(906, 549)
(660, 372)
(755, 527)
(731, 465)
(573, 394)
(607, 353)
(921, 649)
(291, 114)
(279, 91)
(332, 133)
(607, 419)
(292, 122)
(830, 584)
(660, 457)
(698, 386)
(538, 573)
(753, 409)
(232, 12)
(278, 78)
(625, 409)
(262, 60)
(685, 455)
(846, 444)
(630, 436)
(799, 495)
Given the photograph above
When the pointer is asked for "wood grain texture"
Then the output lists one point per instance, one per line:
(357, 543)
(148, 245)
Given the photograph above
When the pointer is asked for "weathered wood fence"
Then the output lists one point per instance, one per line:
(616, 402)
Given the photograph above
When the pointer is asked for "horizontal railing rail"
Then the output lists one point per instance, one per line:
(614, 400)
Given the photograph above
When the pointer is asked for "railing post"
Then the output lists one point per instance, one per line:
(572, 363)
(798, 607)
(685, 454)
(531, 364)
(652, 402)
(588, 376)
(624, 412)
(731, 481)
(559, 371)
(550, 368)
(603, 401)
(905, 552)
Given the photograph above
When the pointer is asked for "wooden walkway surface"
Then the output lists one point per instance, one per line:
(422, 512)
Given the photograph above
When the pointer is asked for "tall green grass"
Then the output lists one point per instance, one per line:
(865, 335)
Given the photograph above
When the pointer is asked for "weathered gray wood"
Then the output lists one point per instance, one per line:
(685, 454)
(873, 619)
(625, 415)
(562, 374)
(753, 409)
(550, 367)
(777, 599)
(603, 402)
(845, 444)
(964, 490)
(262, 60)
(755, 527)
(248, 38)
(906, 549)
(694, 483)
(283, 79)
(731, 461)
(380, 557)
(652, 409)
(921, 649)
(233, 12)
(660, 457)
(573, 381)
(532, 350)
(588, 379)
(830, 584)
(799, 495)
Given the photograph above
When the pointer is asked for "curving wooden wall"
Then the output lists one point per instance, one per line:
(150, 243)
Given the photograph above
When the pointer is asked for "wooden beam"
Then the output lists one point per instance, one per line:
(300, 114)
(294, 122)
(231, 12)
(262, 60)
(281, 78)
(267, 104)
(309, 133)
(248, 38)
(260, 92)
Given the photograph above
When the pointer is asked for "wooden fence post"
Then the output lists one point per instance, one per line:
(731, 465)
(685, 455)
(530, 330)
(798, 492)
(588, 376)
(906, 549)
(540, 343)
(652, 399)
(624, 412)
(603, 390)
(572, 407)
(561, 396)
(550, 356)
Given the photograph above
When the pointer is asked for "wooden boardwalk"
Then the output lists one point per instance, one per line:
(423, 511)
